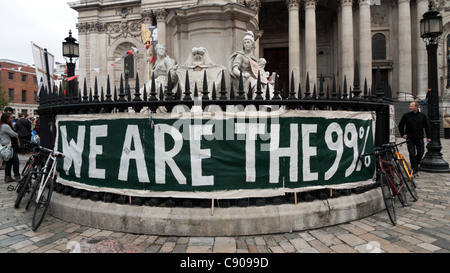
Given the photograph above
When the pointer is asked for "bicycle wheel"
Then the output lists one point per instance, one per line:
(408, 181)
(33, 189)
(388, 197)
(26, 167)
(410, 171)
(42, 205)
(24, 187)
(399, 184)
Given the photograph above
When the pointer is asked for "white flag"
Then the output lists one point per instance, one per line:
(41, 69)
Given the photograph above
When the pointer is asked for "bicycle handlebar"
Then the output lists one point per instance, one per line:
(55, 153)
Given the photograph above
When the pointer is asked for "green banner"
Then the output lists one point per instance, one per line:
(139, 154)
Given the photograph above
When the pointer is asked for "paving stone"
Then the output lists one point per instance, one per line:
(351, 239)
(394, 248)
(167, 247)
(343, 248)
(430, 247)
(201, 241)
(300, 244)
(224, 245)
(199, 249)
(259, 241)
(180, 249)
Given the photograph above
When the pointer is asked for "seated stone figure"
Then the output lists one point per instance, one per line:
(160, 70)
(196, 65)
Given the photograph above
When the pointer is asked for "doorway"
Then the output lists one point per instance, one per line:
(278, 61)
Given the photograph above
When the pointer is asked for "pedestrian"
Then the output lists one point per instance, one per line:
(411, 128)
(7, 109)
(446, 125)
(23, 128)
(7, 135)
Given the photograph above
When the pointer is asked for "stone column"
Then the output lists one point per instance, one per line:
(256, 5)
(421, 54)
(294, 40)
(365, 43)
(311, 41)
(404, 50)
(347, 42)
(161, 24)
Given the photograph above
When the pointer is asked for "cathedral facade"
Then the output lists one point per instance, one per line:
(304, 39)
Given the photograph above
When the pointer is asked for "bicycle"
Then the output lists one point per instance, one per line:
(30, 173)
(42, 188)
(405, 170)
(389, 179)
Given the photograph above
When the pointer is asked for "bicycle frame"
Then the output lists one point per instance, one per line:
(52, 172)
(406, 166)
(392, 171)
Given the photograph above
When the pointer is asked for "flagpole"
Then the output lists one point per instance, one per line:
(49, 83)
(148, 61)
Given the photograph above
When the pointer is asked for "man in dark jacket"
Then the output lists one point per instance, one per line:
(23, 129)
(411, 128)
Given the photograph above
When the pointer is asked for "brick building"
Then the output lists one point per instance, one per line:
(18, 81)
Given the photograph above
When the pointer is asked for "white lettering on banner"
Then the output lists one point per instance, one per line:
(351, 142)
(197, 154)
(308, 152)
(338, 138)
(163, 157)
(96, 131)
(132, 135)
(73, 150)
(250, 130)
(276, 152)
(334, 146)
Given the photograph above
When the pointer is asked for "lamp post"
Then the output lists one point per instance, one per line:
(70, 49)
(430, 30)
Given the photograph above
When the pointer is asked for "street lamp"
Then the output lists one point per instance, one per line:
(430, 30)
(70, 49)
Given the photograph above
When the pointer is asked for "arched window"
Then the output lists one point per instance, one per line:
(129, 66)
(126, 61)
(379, 47)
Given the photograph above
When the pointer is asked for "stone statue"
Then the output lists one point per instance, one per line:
(244, 61)
(163, 64)
(197, 63)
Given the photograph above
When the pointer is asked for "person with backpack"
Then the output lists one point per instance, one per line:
(23, 128)
(8, 136)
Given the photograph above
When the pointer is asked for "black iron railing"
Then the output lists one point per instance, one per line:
(80, 101)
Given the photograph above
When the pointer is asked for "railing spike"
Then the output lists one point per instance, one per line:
(205, 91)
(223, 90)
(137, 94)
(108, 90)
(307, 87)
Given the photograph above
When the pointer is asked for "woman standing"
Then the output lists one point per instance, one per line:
(7, 135)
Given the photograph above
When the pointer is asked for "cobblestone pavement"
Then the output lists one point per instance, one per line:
(422, 228)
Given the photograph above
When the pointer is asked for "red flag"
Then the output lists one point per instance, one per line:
(153, 59)
(72, 78)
